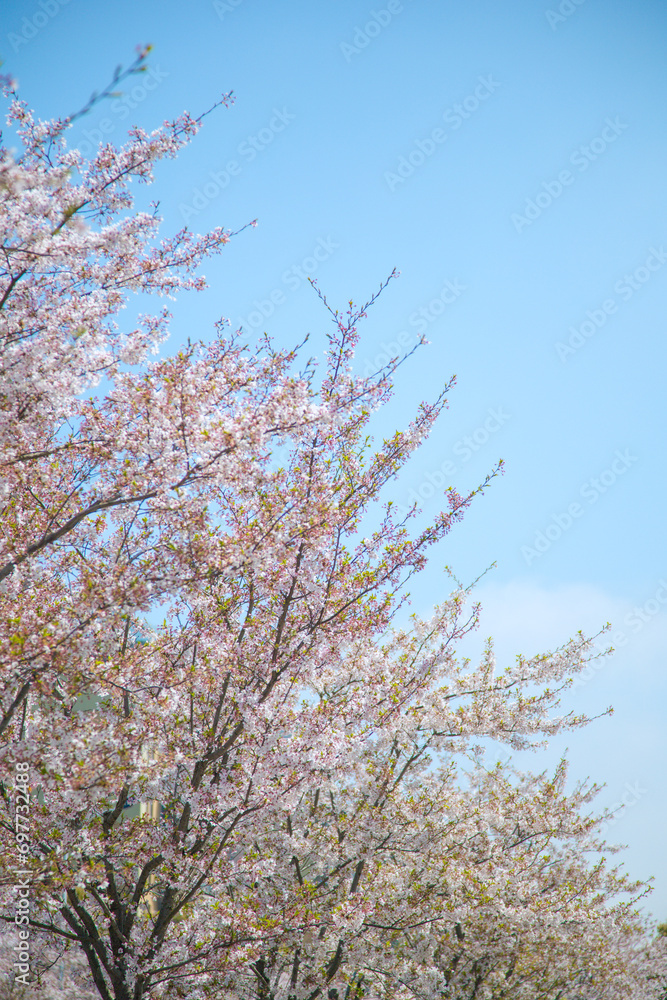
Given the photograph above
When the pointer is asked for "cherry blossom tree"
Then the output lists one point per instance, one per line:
(250, 774)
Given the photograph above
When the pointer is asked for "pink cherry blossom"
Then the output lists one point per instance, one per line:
(246, 777)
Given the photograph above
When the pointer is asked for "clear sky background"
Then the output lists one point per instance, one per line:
(510, 160)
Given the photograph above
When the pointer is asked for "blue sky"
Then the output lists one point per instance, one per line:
(510, 160)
